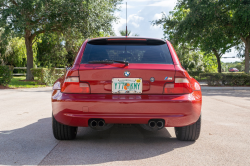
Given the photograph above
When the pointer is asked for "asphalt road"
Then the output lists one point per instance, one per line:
(26, 135)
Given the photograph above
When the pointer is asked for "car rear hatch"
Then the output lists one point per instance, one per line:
(149, 64)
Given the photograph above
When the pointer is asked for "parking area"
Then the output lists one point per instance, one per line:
(26, 135)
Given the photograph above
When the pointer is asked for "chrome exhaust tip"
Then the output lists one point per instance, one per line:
(101, 123)
(160, 124)
(152, 124)
(93, 123)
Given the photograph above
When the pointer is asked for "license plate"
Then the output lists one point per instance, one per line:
(126, 85)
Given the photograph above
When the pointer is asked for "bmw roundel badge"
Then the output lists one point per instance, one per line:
(152, 79)
(126, 73)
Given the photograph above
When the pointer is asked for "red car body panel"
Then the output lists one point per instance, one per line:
(77, 109)
(99, 76)
(176, 109)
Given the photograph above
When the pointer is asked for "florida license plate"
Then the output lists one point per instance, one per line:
(126, 85)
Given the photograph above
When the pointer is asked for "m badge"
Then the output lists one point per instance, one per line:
(168, 78)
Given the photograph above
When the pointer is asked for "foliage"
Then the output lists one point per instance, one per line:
(5, 75)
(227, 79)
(210, 63)
(195, 74)
(3, 43)
(29, 18)
(238, 65)
(13, 51)
(19, 82)
(51, 51)
(48, 75)
(123, 33)
(212, 26)
(195, 60)
(37, 16)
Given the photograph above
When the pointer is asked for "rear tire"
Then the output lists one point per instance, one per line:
(189, 133)
(63, 132)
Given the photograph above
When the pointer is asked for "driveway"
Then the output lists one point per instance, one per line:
(26, 135)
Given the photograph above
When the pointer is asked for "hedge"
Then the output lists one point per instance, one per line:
(5, 75)
(227, 79)
(195, 74)
(47, 75)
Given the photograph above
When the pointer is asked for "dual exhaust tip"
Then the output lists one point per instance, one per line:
(156, 124)
(97, 123)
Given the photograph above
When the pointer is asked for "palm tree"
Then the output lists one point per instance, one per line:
(123, 33)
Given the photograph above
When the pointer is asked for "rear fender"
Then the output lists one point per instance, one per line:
(72, 72)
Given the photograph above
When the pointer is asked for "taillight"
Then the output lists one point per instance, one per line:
(180, 86)
(72, 85)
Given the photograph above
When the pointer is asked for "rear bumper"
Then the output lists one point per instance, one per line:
(77, 109)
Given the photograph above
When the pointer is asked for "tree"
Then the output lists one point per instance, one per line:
(59, 50)
(13, 51)
(195, 60)
(186, 25)
(29, 18)
(123, 33)
(240, 23)
(223, 23)
(51, 51)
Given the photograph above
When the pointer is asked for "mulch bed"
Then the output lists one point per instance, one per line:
(4, 87)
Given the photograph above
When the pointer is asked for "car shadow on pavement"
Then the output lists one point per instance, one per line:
(34, 144)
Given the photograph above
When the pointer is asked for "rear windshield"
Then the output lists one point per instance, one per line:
(155, 54)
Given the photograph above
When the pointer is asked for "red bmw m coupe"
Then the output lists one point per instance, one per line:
(126, 80)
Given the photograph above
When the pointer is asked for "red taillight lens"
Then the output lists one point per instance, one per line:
(72, 85)
(181, 86)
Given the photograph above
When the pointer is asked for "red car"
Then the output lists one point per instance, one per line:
(233, 70)
(126, 80)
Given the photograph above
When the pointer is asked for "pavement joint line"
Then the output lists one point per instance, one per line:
(228, 103)
(49, 152)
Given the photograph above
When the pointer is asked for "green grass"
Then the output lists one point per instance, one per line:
(16, 83)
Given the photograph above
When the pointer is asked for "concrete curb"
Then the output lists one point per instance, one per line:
(224, 88)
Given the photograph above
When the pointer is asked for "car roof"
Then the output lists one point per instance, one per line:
(126, 39)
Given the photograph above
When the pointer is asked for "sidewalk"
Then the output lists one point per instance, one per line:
(204, 86)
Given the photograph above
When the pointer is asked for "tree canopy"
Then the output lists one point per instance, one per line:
(212, 26)
(29, 18)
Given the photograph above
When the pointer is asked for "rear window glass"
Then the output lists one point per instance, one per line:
(155, 54)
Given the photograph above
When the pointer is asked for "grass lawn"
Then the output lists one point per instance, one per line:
(16, 83)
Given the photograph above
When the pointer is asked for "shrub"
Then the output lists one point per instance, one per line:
(37, 72)
(227, 79)
(5, 75)
(195, 74)
(48, 75)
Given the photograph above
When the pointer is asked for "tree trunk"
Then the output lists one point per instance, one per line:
(28, 43)
(247, 46)
(218, 60)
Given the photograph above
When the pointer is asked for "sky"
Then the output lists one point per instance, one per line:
(140, 13)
